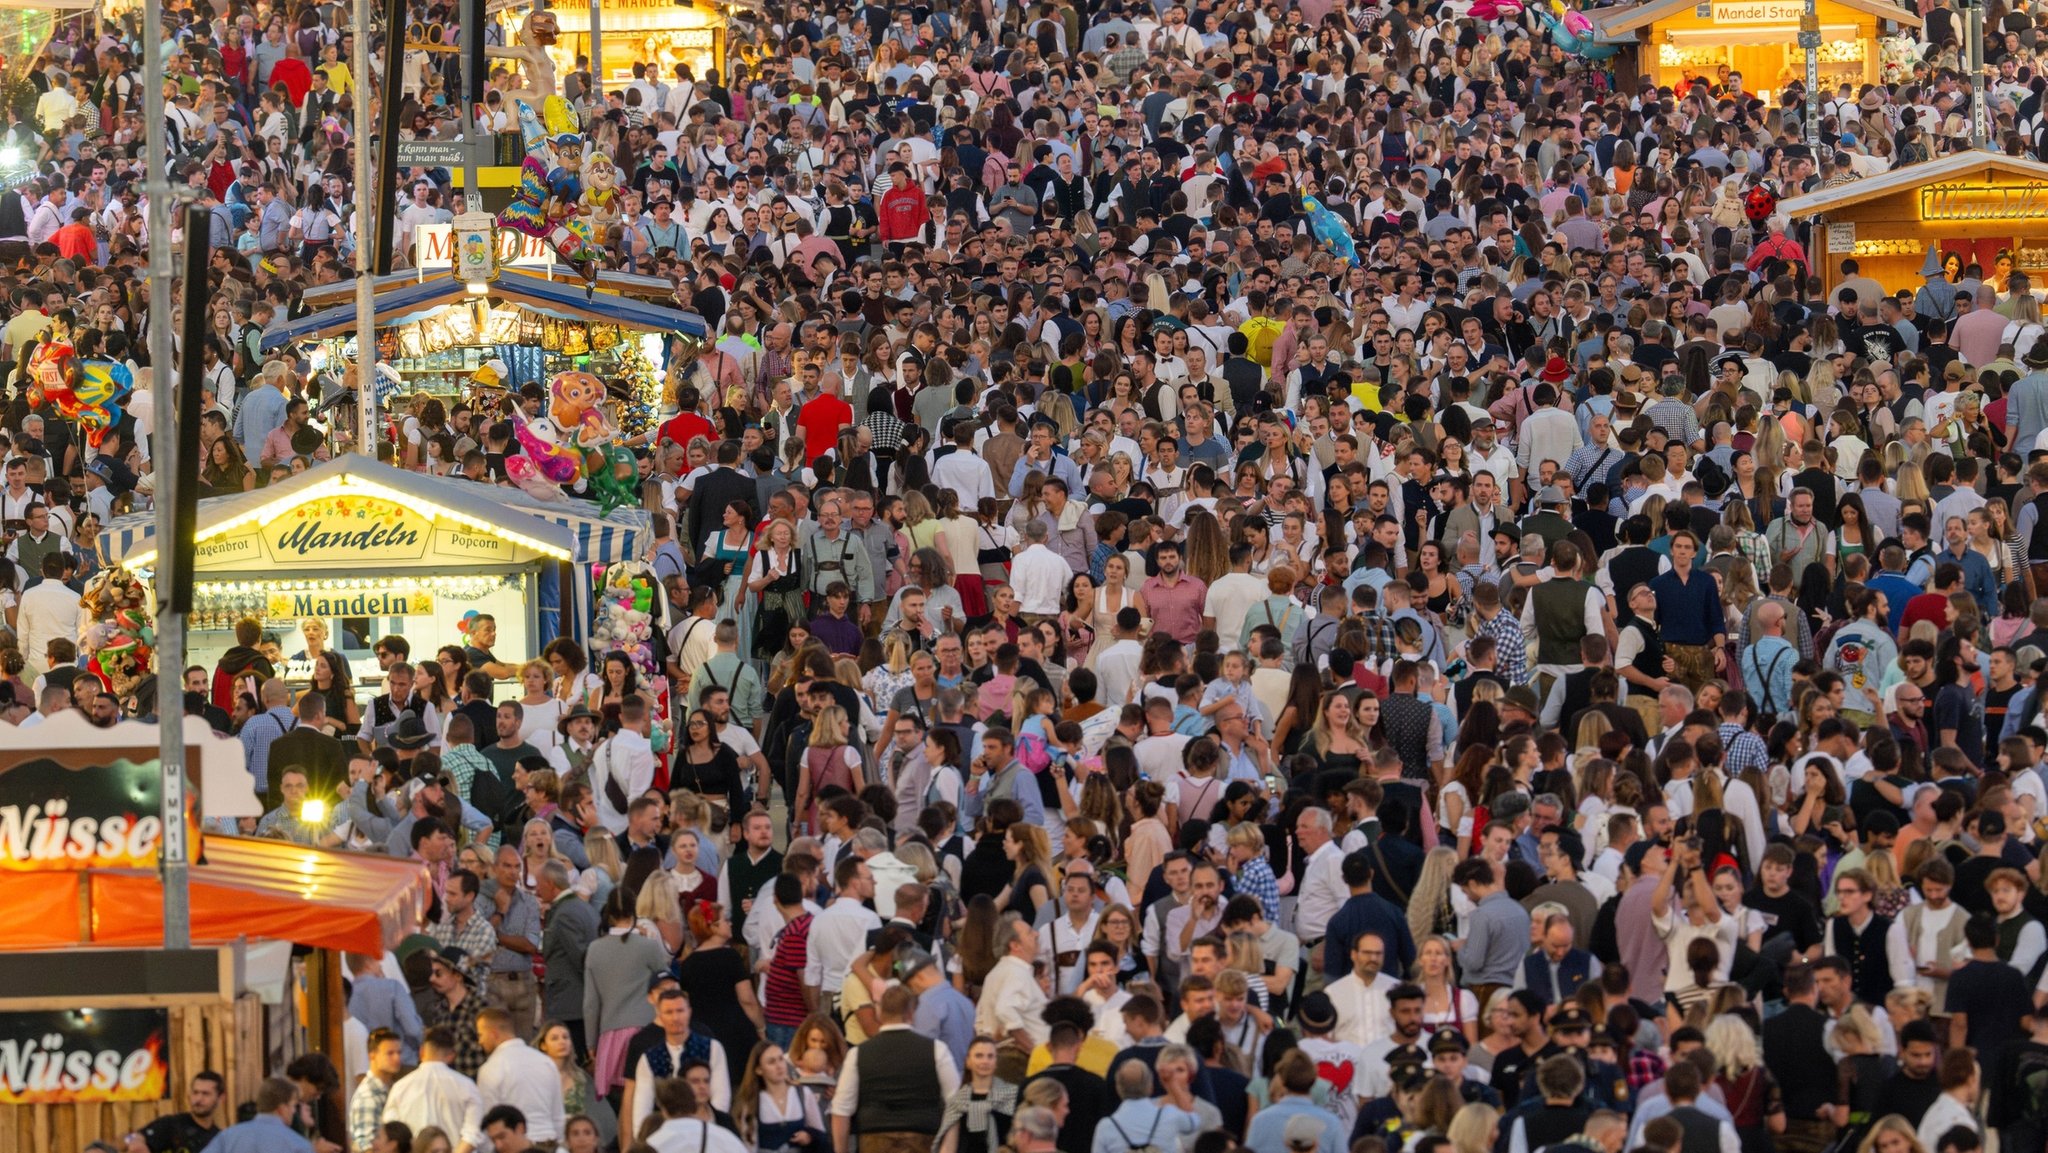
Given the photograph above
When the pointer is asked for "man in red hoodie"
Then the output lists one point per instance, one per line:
(241, 661)
(903, 213)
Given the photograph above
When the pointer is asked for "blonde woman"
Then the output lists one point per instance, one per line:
(1114, 595)
(1474, 1128)
(1892, 1134)
(828, 760)
(659, 913)
(920, 525)
(1444, 1004)
(541, 711)
(1738, 589)
(1746, 1086)
(1243, 954)
(885, 680)
(597, 882)
(1432, 905)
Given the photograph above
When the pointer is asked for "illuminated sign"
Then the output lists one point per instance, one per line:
(350, 528)
(393, 603)
(1965, 203)
(65, 810)
(434, 246)
(1758, 12)
(63, 1056)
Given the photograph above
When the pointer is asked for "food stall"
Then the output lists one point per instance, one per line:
(82, 967)
(661, 33)
(1672, 41)
(436, 331)
(1978, 204)
(373, 550)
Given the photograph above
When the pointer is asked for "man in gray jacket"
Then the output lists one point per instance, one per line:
(569, 926)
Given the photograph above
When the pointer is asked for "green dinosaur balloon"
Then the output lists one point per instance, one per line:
(614, 476)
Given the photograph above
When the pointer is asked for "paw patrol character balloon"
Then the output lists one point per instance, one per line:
(577, 408)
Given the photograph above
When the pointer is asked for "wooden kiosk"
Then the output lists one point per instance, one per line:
(101, 1028)
(1979, 204)
(1672, 41)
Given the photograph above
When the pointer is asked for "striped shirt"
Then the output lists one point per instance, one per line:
(785, 988)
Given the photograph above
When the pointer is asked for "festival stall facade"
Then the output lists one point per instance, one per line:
(1672, 41)
(437, 333)
(1980, 206)
(374, 550)
(101, 1028)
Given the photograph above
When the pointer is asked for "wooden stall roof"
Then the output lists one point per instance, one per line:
(244, 887)
(1616, 21)
(1963, 165)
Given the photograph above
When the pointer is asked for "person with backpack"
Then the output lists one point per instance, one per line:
(1142, 1124)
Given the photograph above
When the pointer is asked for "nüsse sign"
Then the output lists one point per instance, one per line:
(63, 1056)
(102, 810)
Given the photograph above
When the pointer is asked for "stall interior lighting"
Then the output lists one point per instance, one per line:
(1967, 203)
(461, 588)
(357, 486)
(1901, 247)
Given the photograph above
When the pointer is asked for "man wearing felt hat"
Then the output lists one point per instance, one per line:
(2026, 410)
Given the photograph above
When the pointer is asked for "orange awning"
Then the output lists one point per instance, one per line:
(260, 889)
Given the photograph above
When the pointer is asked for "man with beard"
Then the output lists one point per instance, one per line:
(186, 1132)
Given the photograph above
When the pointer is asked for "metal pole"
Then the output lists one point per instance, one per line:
(368, 224)
(170, 626)
(1980, 115)
(387, 184)
(1809, 39)
(597, 59)
(475, 65)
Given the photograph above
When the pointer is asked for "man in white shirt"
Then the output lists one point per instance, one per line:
(628, 759)
(435, 1094)
(1360, 996)
(1064, 939)
(1956, 1107)
(1231, 597)
(1160, 752)
(681, 1130)
(1012, 1004)
(962, 471)
(48, 612)
(840, 933)
(665, 1061)
(519, 1075)
(1038, 575)
(1117, 665)
(1323, 890)
(693, 639)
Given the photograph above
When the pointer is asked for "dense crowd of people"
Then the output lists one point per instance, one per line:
(1485, 659)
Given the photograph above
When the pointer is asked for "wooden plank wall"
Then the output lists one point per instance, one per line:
(226, 1038)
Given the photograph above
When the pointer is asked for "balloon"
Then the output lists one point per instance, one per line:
(528, 476)
(616, 478)
(557, 462)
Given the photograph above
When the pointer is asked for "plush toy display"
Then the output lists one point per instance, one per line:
(625, 620)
